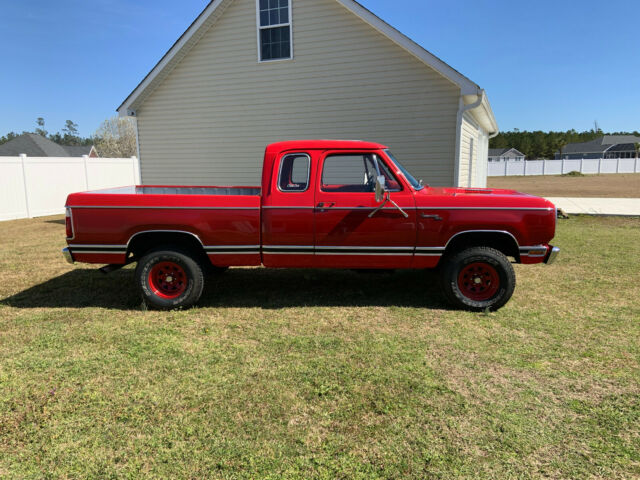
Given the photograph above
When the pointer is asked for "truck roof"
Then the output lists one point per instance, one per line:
(323, 145)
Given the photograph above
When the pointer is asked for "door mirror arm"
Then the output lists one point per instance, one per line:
(383, 195)
(404, 214)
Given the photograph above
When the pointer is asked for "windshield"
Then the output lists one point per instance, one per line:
(410, 178)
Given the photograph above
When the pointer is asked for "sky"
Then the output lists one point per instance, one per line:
(546, 65)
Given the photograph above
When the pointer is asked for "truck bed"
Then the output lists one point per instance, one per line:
(179, 190)
(107, 220)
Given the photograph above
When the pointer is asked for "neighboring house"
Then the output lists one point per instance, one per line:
(250, 72)
(622, 150)
(81, 150)
(607, 146)
(34, 145)
(497, 154)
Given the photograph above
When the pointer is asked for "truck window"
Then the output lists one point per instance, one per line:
(294, 172)
(355, 173)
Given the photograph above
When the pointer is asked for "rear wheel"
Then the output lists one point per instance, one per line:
(478, 278)
(169, 279)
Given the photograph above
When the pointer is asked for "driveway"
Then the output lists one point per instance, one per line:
(598, 206)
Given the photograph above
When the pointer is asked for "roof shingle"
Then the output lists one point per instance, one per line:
(34, 145)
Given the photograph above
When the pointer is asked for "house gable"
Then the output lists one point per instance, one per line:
(207, 18)
(496, 154)
(216, 8)
(346, 81)
(466, 86)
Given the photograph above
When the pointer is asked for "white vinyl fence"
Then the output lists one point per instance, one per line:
(38, 186)
(557, 167)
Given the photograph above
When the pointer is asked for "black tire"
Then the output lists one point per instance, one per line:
(468, 279)
(169, 279)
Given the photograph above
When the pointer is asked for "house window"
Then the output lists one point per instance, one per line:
(274, 29)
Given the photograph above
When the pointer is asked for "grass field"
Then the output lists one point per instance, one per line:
(299, 374)
(622, 185)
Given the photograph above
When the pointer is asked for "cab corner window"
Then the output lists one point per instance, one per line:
(355, 173)
(294, 173)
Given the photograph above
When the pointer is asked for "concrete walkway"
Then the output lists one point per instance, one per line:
(598, 206)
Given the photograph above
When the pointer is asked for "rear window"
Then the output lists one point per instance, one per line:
(294, 172)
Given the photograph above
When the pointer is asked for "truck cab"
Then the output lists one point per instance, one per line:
(319, 208)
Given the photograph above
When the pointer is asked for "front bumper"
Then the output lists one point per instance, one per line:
(66, 253)
(552, 255)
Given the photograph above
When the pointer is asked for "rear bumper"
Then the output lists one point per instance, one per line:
(552, 255)
(66, 253)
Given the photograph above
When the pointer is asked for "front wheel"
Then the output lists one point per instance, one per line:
(169, 279)
(478, 278)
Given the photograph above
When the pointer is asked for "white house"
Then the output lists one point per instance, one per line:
(250, 72)
(497, 154)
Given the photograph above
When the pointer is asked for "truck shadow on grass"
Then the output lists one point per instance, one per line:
(244, 288)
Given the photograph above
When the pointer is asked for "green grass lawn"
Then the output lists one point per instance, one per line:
(321, 374)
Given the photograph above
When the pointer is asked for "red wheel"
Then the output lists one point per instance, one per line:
(478, 281)
(167, 280)
(477, 278)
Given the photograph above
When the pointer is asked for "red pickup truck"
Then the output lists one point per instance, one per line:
(322, 204)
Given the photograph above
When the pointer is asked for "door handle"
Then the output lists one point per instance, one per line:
(324, 205)
(437, 218)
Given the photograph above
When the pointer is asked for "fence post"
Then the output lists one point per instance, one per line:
(581, 164)
(544, 166)
(23, 157)
(525, 168)
(635, 165)
(599, 165)
(86, 173)
(618, 165)
(562, 167)
(136, 171)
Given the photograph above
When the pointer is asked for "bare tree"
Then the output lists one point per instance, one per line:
(116, 138)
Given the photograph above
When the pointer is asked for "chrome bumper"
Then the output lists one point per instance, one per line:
(552, 255)
(66, 253)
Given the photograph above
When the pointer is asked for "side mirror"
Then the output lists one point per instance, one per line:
(380, 188)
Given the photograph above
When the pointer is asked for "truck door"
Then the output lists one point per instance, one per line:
(349, 232)
(287, 212)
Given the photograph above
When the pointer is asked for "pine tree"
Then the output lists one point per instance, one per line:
(40, 130)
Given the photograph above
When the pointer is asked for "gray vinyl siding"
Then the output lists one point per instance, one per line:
(477, 177)
(210, 119)
(482, 160)
(467, 132)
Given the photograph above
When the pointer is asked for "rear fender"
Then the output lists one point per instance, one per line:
(142, 242)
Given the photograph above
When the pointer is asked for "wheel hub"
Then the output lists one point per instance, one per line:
(167, 279)
(478, 281)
